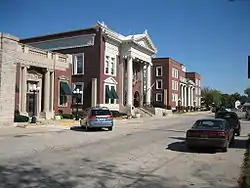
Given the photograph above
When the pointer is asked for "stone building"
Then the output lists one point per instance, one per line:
(111, 69)
(22, 66)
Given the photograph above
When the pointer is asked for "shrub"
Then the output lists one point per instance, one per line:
(67, 116)
(244, 180)
(20, 118)
(158, 105)
(117, 113)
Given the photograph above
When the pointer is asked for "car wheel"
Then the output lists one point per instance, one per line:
(110, 128)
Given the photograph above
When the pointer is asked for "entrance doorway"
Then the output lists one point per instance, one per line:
(136, 99)
(31, 103)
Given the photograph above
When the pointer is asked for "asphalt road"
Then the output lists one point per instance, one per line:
(135, 155)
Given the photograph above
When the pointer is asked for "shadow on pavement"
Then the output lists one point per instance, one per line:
(181, 147)
(239, 144)
(82, 129)
(84, 173)
(177, 138)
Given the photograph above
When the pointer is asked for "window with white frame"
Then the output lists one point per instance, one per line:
(158, 97)
(175, 85)
(158, 84)
(80, 86)
(108, 95)
(110, 65)
(175, 73)
(78, 64)
(159, 71)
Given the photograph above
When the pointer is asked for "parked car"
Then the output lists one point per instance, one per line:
(98, 117)
(232, 119)
(215, 133)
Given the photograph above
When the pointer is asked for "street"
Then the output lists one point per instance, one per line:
(134, 155)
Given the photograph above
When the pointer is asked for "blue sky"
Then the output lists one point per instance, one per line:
(211, 37)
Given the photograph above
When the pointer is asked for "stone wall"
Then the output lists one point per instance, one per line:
(8, 48)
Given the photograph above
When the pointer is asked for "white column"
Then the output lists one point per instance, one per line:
(148, 95)
(191, 96)
(129, 81)
(39, 97)
(182, 95)
(52, 79)
(46, 91)
(24, 90)
(142, 87)
(188, 96)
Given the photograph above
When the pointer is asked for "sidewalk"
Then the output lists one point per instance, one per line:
(64, 125)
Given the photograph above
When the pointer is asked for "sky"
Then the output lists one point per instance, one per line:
(211, 37)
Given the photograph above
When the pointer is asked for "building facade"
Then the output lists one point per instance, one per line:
(111, 69)
(23, 66)
(173, 85)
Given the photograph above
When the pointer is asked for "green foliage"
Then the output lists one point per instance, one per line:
(67, 116)
(213, 97)
(20, 118)
(117, 114)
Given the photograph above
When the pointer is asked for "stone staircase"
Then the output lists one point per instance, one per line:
(143, 112)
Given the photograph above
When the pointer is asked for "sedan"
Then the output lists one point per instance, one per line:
(215, 133)
(233, 120)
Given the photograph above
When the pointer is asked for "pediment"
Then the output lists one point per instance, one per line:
(145, 41)
(33, 75)
(110, 80)
(191, 82)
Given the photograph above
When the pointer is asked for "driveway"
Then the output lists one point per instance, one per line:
(142, 154)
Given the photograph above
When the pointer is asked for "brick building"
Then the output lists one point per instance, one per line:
(111, 69)
(173, 85)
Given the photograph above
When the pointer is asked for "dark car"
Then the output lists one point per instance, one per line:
(232, 119)
(98, 117)
(215, 133)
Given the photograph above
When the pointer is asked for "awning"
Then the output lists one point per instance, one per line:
(64, 88)
(108, 93)
(114, 94)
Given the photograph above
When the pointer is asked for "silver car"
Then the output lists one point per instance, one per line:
(98, 117)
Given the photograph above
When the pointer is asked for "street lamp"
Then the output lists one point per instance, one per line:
(77, 93)
(34, 89)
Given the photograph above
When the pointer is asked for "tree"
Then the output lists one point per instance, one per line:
(247, 92)
(211, 96)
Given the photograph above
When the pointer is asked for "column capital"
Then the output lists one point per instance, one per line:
(23, 65)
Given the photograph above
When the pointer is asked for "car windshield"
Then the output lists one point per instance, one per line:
(230, 117)
(209, 124)
(100, 112)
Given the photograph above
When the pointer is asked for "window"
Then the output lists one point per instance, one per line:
(110, 94)
(63, 91)
(158, 97)
(158, 84)
(158, 71)
(110, 65)
(175, 85)
(175, 73)
(78, 64)
(107, 65)
(80, 86)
